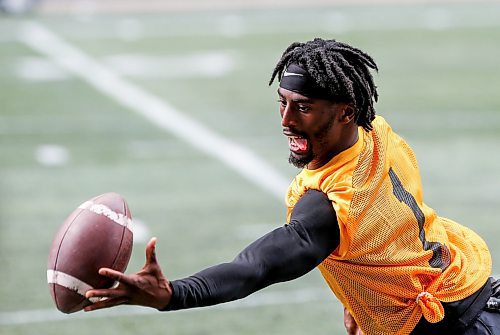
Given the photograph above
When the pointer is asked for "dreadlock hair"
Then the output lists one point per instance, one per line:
(342, 70)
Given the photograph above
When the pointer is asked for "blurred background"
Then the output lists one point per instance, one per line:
(168, 104)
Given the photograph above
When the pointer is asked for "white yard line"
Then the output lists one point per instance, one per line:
(102, 6)
(333, 19)
(256, 300)
(153, 108)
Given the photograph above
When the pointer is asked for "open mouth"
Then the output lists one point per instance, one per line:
(297, 144)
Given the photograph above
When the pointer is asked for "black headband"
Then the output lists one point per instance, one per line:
(296, 79)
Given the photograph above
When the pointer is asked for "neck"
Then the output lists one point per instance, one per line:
(351, 137)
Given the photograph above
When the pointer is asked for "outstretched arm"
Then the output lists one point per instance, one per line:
(284, 254)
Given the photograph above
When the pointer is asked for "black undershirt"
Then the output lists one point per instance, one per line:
(284, 254)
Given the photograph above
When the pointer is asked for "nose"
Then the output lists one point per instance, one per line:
(287, 117)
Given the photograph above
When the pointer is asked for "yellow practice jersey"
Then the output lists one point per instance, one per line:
(396, 259)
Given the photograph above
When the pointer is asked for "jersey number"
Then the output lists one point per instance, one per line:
(440, 253)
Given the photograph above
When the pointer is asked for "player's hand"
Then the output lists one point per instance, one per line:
(148, 287)
(350, 324)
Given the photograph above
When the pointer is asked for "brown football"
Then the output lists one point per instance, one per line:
(97, 234)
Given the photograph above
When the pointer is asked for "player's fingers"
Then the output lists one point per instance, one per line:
(106, 303)
(105, 293)
(116, 275)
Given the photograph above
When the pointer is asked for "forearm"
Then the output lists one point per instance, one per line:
(218, 284)
(283, 254)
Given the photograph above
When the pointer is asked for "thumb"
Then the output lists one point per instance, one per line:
(151, 252)
(152, 267)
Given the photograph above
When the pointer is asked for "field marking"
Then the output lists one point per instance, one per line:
(206, 64)
(39, 69)
(154, 109)
(257, 300)
(333, 19)
(52, 155)
(202, 64)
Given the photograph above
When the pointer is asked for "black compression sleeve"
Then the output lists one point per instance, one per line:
(284, 254)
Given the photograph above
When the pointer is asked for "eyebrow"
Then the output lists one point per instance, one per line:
(298, 100)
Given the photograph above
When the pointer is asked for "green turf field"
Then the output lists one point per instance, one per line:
(65, 137)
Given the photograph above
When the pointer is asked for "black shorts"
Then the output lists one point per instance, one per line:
(487, 323)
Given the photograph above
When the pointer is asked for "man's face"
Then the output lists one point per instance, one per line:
(313, 126)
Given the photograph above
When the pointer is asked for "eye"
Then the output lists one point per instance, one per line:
(303, 108)
(282, 108)
(282, 103)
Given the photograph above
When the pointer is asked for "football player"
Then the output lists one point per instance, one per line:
(355, 211)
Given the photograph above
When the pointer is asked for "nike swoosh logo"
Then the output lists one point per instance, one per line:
(287, 74)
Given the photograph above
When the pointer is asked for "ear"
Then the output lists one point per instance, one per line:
(347, 113)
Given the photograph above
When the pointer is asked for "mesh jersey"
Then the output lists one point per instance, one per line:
(396, 259)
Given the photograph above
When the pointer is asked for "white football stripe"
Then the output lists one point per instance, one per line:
(68, 281)
(101, 209)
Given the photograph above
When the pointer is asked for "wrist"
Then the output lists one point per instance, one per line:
(166, 297)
